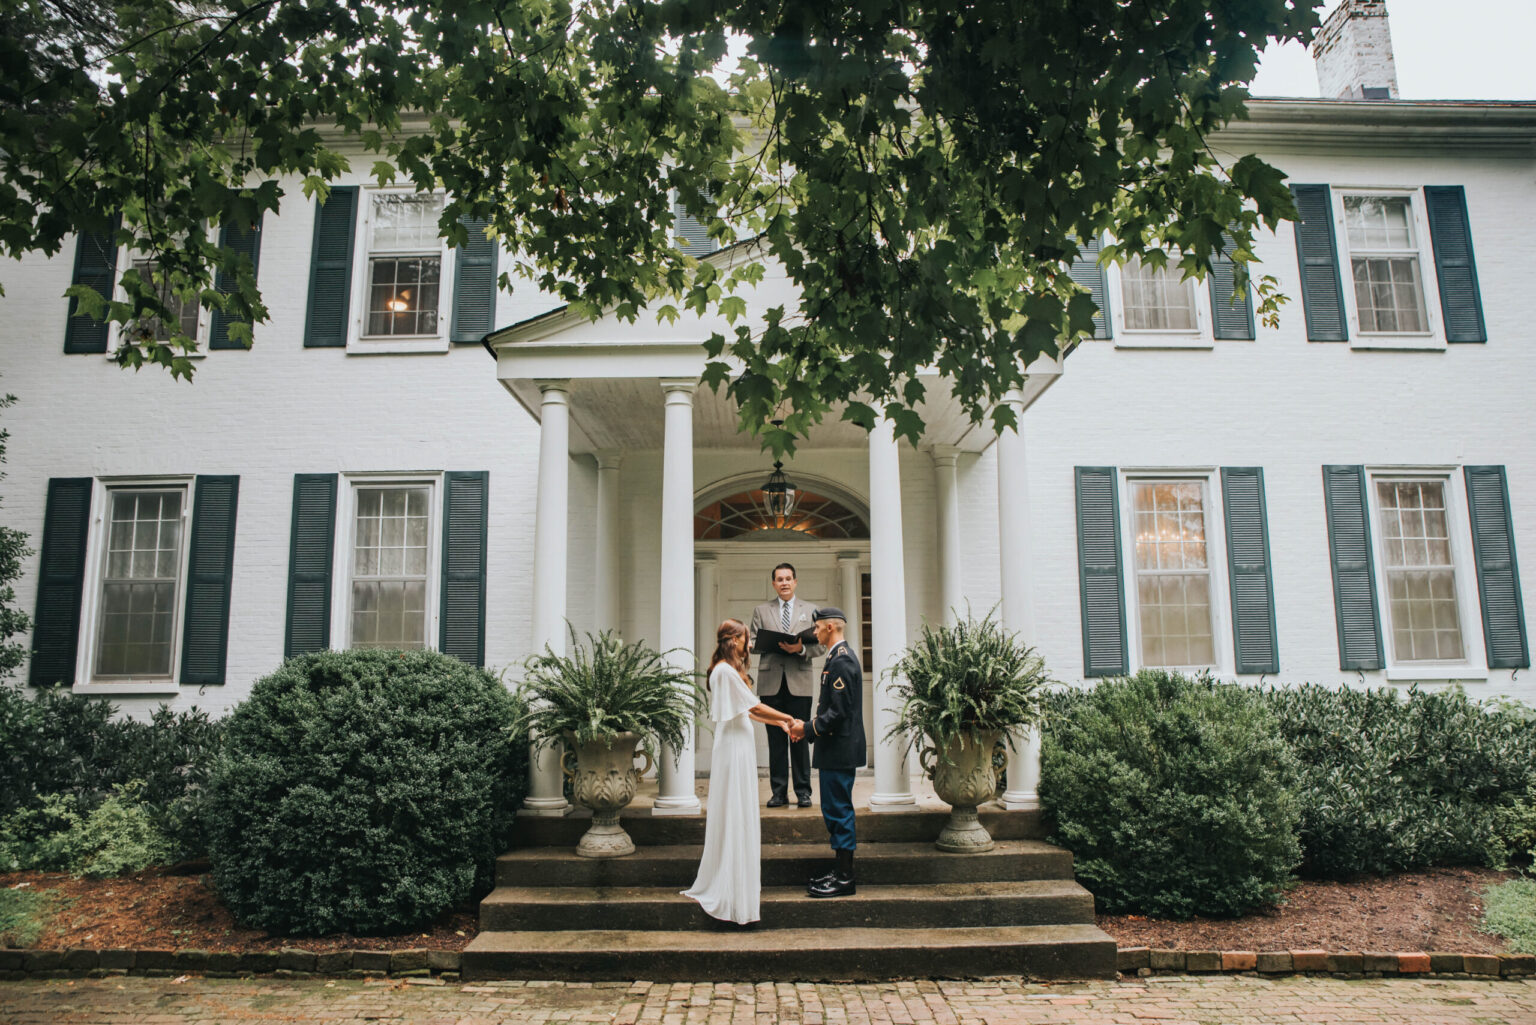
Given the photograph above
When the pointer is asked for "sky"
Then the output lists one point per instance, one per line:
(1445, 50)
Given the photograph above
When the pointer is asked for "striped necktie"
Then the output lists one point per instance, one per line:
(784, 614)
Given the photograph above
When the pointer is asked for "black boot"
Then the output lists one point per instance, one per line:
(823, 878)
(841, 883)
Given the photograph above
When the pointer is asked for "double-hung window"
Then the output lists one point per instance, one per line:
(1156, 299)
(404, 276)
(141, 582)
(1384, 264)
(391, 562)
(1418, 569)
(186, 312)
(1172, 566)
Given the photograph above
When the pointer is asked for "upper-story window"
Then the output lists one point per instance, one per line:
(405, 265)
(187, 313)
(1383, 239)
(1156, 299)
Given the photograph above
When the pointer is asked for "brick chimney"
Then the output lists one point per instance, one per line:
(1353, 53)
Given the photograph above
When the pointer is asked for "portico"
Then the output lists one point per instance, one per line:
(625, 400)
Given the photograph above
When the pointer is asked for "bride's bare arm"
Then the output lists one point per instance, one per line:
(769, 717)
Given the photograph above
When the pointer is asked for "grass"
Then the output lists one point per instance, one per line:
(24, 913)
(1509, 910)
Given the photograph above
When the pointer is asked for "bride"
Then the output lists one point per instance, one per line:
(730, 879)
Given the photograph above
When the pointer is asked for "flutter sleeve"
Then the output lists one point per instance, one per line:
(728, 695)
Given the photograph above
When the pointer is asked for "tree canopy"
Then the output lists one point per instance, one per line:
(924, 169)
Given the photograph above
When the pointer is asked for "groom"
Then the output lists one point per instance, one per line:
(838, 733)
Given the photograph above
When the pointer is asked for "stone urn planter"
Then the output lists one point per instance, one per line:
(604, 779)
(963, 777)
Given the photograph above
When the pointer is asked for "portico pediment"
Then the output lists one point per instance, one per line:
(613, 368)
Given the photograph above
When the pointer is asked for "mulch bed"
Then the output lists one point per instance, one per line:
(1439, 909)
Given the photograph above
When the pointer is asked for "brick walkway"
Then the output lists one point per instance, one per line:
(1163, 1000)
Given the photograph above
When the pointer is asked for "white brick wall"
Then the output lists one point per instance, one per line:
(1281, 402)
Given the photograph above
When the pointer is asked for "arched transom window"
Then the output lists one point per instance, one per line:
(747, 511)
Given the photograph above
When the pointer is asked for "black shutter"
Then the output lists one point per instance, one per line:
(1231, 317)
(1354, 579)
(474, 285)
(1087, 272)
(1498, 574)
(1461, 303)
(330, 270)
(95, 265)
(61, 578)
(310, 555)
(210, 570)
(1253, 592)
(238, 238)
(1322, 297)
(1099, 571)
(465, 507)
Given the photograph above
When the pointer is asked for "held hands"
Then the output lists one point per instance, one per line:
(796, 730)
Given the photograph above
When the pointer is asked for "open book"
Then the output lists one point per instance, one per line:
(767, 642)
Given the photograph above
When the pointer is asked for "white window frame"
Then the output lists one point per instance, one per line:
(86, 682)
(359, 343)
(1468, 606)
(126, 257)
(1201, 336)
(346, 536)
(1215, 555)
(1433, 337)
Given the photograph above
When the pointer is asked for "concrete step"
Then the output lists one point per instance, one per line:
(751, 954)
(779, 825)
(1028, 902)
(878, 864)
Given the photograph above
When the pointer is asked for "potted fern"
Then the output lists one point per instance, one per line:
(964, 687)
(603, 700)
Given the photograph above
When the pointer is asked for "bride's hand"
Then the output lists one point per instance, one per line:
(787, 725)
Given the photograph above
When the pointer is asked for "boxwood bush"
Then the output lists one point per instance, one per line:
(363, 792)
(1174, 795)
(1390, 782)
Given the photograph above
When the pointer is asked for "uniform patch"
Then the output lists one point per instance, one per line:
(837, 684)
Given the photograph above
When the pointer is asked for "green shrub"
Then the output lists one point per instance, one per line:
(119, 835)
(1172, 794)
(67, 744)
(24, 913)
(363, 791)
(1388, 783)
(1509, 910)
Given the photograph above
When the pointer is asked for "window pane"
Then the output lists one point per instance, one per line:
(389, 608)
(183, 313)
(1173, 579)
(1421, 575)
(403, 221)
(403, 297)
(140, 582)
(1156, 300)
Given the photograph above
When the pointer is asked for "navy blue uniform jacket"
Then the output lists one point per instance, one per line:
(838, 728)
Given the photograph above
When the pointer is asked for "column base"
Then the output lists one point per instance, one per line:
(1020, 800)
(667, 806)
(545, 807)
(891, 802)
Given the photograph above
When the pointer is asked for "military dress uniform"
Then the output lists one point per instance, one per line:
(837, 732)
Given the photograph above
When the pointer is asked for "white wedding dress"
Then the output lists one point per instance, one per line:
(729, 885)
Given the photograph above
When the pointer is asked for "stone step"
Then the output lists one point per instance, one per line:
(779, 825)
(1027, 902)
(878, 864)
(751, 954)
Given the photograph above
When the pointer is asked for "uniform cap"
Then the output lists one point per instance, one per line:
(829, 612)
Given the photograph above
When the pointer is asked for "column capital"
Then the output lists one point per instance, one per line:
(679, 389)
(849, 556)
(553, 386)
(944, 455)
(705, 557)
(608, 458)
(1012, 397)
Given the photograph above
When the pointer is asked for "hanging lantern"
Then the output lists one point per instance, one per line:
(779, 494)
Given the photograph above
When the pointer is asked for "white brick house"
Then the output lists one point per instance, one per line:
(1340, 500)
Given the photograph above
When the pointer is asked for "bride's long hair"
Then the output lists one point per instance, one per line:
(731, 648)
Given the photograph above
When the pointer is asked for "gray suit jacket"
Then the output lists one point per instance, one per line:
(795, 669)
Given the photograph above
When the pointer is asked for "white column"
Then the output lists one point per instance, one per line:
(888, 626)
(608, 541)
(1018, 605)
(545, 780)
(676, 794)
(705, 567)
(947, 484)
(851, 597)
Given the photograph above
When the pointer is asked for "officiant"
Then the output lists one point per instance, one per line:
(786, 681)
